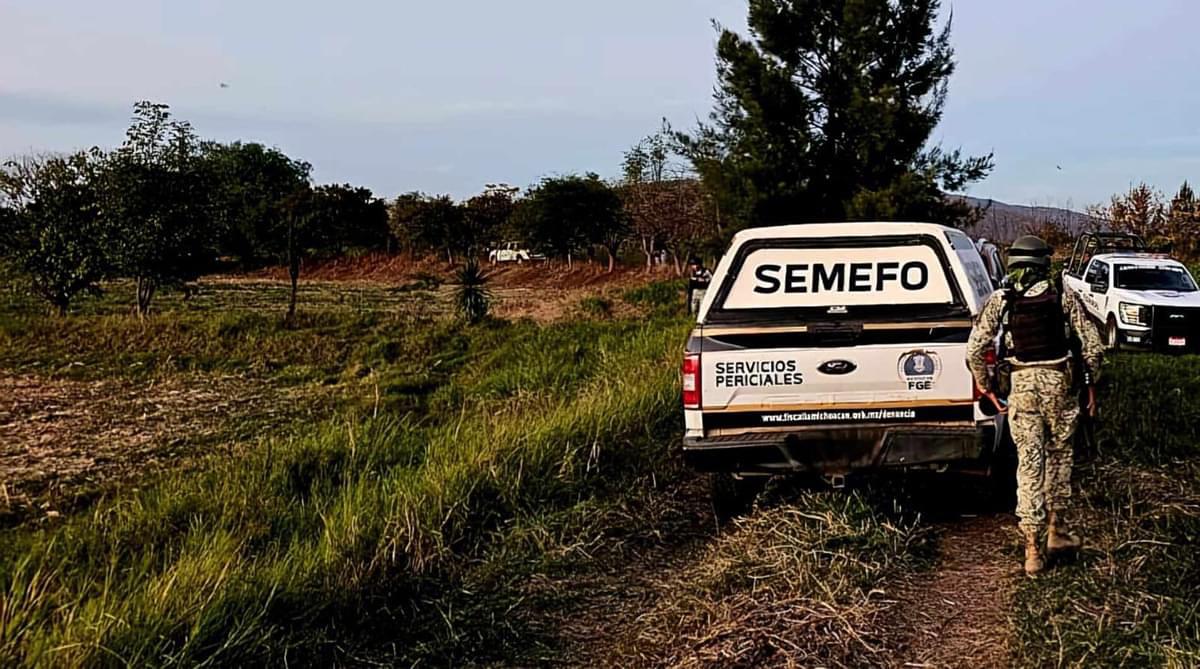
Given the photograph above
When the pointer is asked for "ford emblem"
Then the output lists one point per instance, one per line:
(837, 367)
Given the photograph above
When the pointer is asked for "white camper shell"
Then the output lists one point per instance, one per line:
(832, 347)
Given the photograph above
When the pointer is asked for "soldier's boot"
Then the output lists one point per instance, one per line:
(1057, 536)
(1033, 552)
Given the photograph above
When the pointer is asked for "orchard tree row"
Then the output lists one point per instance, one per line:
(166, 207)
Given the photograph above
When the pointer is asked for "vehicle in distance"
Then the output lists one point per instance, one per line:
(513, 252)
(992, 260)
(834, 347)
(1142, 300)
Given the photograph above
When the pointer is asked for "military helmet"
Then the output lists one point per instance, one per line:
(1029, 251)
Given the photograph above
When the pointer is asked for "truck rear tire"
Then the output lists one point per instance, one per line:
(734, 496)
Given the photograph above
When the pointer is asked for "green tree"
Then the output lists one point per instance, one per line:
(565, 215)
(1183, 222)
(249, 183)
(350, 218)
(51, 225)
(826, 113)
(155, 200)
(402, 216)
(438, 225)
(487, 216)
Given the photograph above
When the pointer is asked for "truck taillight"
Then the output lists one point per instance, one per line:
(691, 381)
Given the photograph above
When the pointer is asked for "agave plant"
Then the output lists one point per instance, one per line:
(472, 296)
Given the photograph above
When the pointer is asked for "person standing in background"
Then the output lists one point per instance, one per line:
(699, 277)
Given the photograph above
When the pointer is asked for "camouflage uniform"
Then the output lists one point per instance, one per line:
(1042, 411)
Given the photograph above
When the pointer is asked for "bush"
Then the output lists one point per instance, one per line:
(659, 296)
(1150, 407)
(596, 306)
(472, 296)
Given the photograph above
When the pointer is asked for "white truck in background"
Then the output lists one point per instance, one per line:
(1141, 300)
(513, 252)
(836, 347)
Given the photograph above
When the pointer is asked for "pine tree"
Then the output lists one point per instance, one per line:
(825, 114)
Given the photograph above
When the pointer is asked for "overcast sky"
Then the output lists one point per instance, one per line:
(448, 96)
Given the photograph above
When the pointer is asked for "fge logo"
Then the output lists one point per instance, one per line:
(919, 370)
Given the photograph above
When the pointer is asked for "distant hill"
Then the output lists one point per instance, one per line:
(1005, 222)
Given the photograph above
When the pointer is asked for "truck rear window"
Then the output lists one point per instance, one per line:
(856, 278)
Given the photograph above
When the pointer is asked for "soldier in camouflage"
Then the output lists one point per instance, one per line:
(1035, 323)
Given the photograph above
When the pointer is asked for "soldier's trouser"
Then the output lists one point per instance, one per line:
(696, 298)
(1042, 414)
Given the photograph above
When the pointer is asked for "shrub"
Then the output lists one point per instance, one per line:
(660, 296)
(596, 306)
(472, 296)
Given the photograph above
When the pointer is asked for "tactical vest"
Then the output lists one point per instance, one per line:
(1037, 327)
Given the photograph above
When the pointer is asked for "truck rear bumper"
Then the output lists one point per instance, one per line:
(840, 450)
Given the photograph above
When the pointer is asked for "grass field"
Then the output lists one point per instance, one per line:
(449, 437)
(382, 484)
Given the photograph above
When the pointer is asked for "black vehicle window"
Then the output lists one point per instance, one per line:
(1090, 277)
(1102, 273)
(1131, 277)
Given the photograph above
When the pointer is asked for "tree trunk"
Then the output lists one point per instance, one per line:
(294, 275)
(293, 259)
(675, 262)
(612, 260)
(145, 293)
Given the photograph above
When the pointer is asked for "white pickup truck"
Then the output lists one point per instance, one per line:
(1143, 300)
(834, 347)
(513, 252)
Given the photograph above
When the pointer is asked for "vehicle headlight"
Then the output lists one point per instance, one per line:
(1135, 314)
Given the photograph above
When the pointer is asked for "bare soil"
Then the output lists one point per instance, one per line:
(956, 615)
(60, 439)
(401, 269)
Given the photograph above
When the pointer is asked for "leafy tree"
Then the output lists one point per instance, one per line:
(155, 200)
(487, 215)
(439, 224)
(665, 206)
(350, 218)
(1183, 222)
(425, 223)
(564, 215)
(1141, 211)
(402, 217)
(826, 112)
(50, 225)
(249, 185)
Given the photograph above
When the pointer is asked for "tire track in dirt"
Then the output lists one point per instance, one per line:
(957, 613)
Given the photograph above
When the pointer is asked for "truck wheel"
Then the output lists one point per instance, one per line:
(1112, 335)
(734, 496)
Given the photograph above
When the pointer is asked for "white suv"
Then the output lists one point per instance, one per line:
(835, 347)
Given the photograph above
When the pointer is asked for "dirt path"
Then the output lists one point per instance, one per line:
(956, 614)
